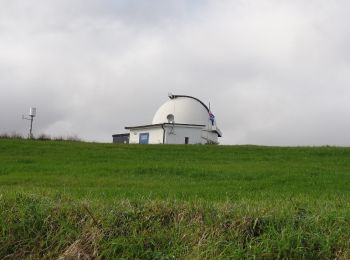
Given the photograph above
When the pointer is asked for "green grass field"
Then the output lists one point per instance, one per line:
(64, 199)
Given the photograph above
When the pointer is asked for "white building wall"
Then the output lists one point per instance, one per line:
(155, 135)
(177, 134)
(209, 136)
(173, 135)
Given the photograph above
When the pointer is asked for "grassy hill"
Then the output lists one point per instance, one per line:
(61, 199)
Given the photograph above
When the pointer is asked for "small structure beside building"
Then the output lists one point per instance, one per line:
(181, 120)
(121, 138)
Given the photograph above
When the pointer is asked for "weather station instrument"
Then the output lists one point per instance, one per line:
(32, 114)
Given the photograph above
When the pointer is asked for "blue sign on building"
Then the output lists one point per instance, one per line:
(144, 137)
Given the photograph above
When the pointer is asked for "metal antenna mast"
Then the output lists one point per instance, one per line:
(32, 114)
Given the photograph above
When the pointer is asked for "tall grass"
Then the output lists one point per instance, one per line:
(11, 136)
(39, 227)
(73, 199)
(41, 137)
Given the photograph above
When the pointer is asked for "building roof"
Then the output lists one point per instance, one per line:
(163, 124)
(172, 124)
(125, 134)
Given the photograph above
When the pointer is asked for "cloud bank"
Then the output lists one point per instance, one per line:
(275, 72)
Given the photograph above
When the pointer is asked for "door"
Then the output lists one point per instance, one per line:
(143, 138)
(187, 139)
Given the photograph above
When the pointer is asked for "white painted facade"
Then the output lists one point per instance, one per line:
(180, 120)
(176, 134)
(155, 135)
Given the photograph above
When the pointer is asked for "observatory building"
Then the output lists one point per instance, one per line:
(180, 120)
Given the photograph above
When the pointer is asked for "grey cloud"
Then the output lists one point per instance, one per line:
(275, 72)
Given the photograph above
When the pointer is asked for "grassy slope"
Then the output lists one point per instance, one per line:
(160, 201)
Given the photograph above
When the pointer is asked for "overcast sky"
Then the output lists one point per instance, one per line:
(276, 72)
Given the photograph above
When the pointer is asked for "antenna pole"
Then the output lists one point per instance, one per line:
(32, 114)
(31, 127)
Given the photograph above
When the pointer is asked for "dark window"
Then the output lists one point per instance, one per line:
(186, 140)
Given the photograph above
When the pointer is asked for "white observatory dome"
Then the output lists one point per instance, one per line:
(182, 110)
(181, 120)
